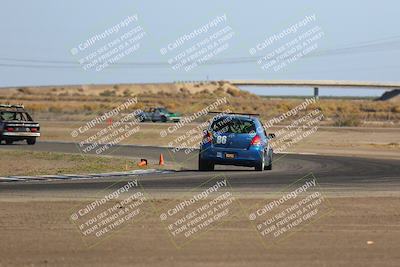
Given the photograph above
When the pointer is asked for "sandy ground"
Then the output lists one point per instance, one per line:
(361, 231)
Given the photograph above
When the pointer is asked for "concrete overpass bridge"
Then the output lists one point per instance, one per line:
(316, 84)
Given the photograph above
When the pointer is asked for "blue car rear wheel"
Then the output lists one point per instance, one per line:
(205, 165)
(261, 164)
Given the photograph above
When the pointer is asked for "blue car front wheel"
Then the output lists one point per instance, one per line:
(269, 166)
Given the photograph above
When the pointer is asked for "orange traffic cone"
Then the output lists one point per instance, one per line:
(161, 162)
(143, 162)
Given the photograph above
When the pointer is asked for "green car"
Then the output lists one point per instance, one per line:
(159, 114)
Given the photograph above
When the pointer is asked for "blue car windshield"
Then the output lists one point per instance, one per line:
(233, 125)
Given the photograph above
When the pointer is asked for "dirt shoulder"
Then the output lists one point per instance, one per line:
(362, 231)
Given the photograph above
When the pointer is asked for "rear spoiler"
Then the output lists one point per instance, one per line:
(234, 113)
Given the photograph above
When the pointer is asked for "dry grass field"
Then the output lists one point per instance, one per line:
(18, 162)
(66, 103)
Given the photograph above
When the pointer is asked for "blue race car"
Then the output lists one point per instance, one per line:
(236, 139)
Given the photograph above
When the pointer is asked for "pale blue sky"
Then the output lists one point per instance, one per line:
(46, 30)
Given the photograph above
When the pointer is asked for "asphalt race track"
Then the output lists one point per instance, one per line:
(332, 172)
(360, 229)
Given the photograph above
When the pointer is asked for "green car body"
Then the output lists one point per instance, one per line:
(159, 114)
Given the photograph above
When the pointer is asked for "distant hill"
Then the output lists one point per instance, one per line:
(121, 89)
(393, 96)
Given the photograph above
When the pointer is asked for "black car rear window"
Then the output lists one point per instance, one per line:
(233, 125)
(14, 116)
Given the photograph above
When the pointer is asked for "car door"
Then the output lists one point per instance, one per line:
(157, 115)
(267, 149)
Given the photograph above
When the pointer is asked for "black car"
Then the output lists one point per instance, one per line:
(17, 125)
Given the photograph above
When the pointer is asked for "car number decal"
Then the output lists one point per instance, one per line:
(221, 139)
